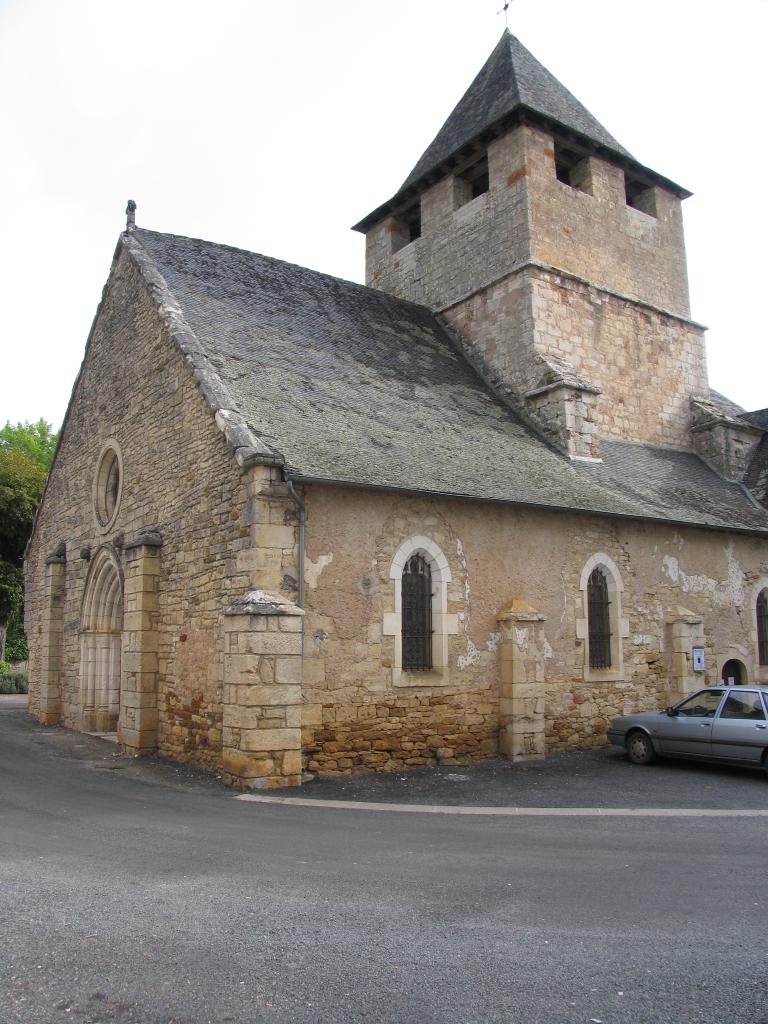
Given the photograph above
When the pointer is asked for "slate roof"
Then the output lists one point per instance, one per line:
(756, 477)
(758, 418)
(349, 385)
(669, 483)
(511, 83)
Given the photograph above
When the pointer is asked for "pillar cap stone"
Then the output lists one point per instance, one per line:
(58, 556)
(519, 610)
(262, 602)
(149, 538)
(680, 614)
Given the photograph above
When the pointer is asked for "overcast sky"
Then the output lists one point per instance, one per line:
(274, 126)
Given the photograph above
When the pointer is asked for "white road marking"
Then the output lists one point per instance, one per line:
(511, 812)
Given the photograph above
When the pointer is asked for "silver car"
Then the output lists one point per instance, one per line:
(728, 724)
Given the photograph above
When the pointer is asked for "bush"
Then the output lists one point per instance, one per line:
(13, 682)
(5, 668)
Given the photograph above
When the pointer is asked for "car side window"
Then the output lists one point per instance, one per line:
(703, 704)
(744, 706)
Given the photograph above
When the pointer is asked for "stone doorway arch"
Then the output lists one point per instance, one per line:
(101, 644)
(734, 672)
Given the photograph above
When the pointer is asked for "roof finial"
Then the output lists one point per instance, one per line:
(130, 215)
(505, 11)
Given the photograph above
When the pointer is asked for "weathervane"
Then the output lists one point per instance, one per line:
(505, 11)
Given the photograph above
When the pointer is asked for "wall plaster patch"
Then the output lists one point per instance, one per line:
(312, 570)
(521, 638)
(493, 641)
(472, 657)
(722, 594)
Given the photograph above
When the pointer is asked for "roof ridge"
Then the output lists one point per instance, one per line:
(247, 448)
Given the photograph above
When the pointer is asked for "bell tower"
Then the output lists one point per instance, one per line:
(554, 255)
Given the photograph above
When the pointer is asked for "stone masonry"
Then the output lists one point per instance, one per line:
(220, 527)
(356, 717)
(199, 581)
(547, 282)
(262, 692)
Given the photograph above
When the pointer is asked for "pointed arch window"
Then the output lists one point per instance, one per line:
(417, 614)
(599, 617)
(762, 627)
(420, 622)
(600, 624)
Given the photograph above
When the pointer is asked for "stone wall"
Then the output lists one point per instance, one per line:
(460, 249)
(357, 716)
(179, 479)
(546, 281)
(601, 238)
(528, 214)
(646, 365)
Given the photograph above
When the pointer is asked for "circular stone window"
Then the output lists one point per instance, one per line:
(107, 487)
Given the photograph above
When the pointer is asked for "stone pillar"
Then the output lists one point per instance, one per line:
(262, 691)
(685, 630)
(53, 638)
(137, 725)
(271, 559)
(521, 707)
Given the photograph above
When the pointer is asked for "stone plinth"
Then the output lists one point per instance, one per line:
(137, 725)
(521, 707)
(261, 735)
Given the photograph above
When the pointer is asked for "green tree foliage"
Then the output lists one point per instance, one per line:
(16, 640)
(26, 451)
(36, 440)
(21, 487)
(11, 604)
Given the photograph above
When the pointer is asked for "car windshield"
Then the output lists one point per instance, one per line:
(703, 704)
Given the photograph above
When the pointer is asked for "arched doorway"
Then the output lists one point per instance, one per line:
(734, 673)
(100, 647)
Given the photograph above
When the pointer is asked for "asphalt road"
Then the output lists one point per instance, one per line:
(142, 893)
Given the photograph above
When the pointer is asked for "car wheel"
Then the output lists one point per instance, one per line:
(640, 749)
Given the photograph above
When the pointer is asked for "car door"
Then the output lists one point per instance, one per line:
(740, 731)
(689, 730)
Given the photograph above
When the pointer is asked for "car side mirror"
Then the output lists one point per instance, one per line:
(672, 712)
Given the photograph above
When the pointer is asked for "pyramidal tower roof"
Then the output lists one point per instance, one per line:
(511, 78)
(512, 85)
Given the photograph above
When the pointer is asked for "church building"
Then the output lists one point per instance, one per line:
(474, 508)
